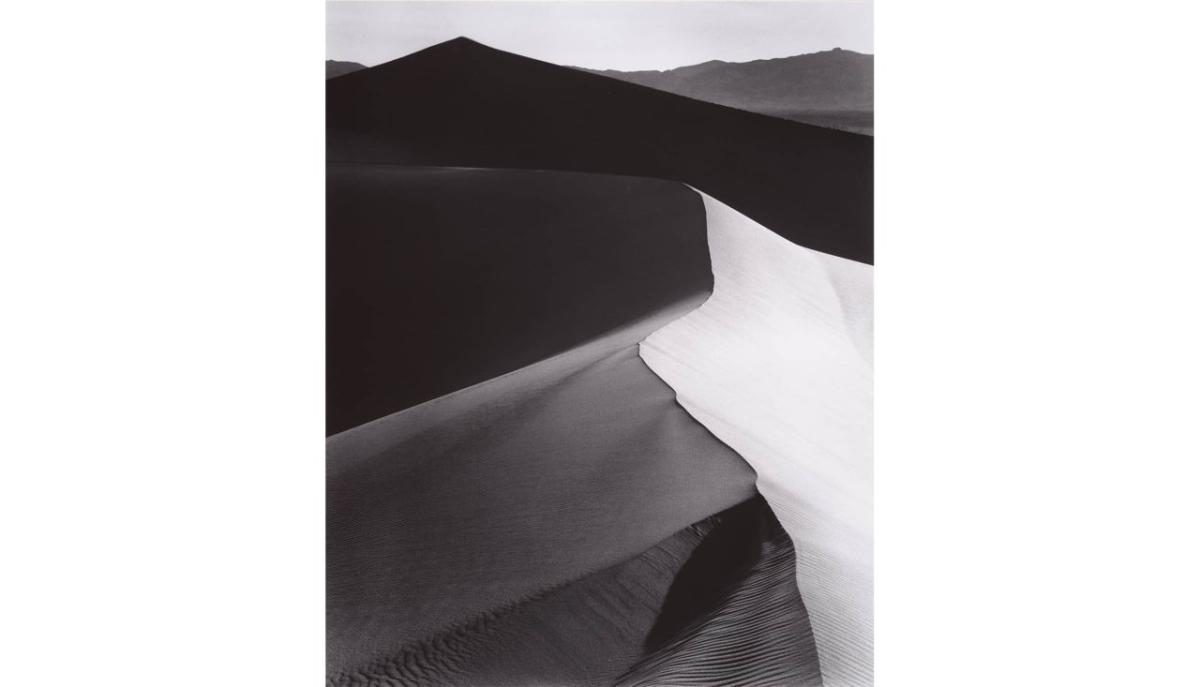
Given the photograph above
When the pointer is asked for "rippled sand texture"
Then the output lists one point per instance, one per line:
(713, 604)
(777, 365)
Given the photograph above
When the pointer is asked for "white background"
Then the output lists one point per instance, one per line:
(161, 273)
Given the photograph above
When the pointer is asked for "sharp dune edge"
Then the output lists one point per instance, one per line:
(777, 365)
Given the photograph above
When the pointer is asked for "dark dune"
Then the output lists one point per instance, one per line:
(724, 584)
(443, 278)
(490, 496)
(464, 104)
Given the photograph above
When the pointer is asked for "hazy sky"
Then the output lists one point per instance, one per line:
(608, 35)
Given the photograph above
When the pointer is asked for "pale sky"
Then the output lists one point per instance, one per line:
(601, 35)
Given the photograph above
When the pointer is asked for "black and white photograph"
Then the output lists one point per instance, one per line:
(599, 343)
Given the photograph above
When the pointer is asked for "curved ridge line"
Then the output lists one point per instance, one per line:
(854, 673)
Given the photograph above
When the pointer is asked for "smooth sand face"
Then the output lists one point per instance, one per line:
(777, 365)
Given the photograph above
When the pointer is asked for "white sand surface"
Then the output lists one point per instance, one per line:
(777, 364)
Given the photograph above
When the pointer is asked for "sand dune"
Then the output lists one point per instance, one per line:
(718, 597)
(443, 278)
(460, 103)
(552, 524)
(521, 493)
(777, 365)
(756, 634)
(568, 522)
(468, 508)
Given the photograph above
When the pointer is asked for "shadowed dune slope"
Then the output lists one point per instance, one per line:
(460, 103)
(483, 498)
(442, 278)
(714, 604)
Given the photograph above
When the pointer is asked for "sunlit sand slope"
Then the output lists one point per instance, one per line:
(777, 365)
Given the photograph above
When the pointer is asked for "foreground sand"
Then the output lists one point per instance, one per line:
(473, 538)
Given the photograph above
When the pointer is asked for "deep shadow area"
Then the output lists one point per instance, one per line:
(460, 103)
(438, 279)
(726, 554)
(733, 616)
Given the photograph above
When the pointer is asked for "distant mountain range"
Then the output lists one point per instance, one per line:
(830, 88)
(336, 68)
(834, 88)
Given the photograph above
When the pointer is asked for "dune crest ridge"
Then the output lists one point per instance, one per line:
(777, 365)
